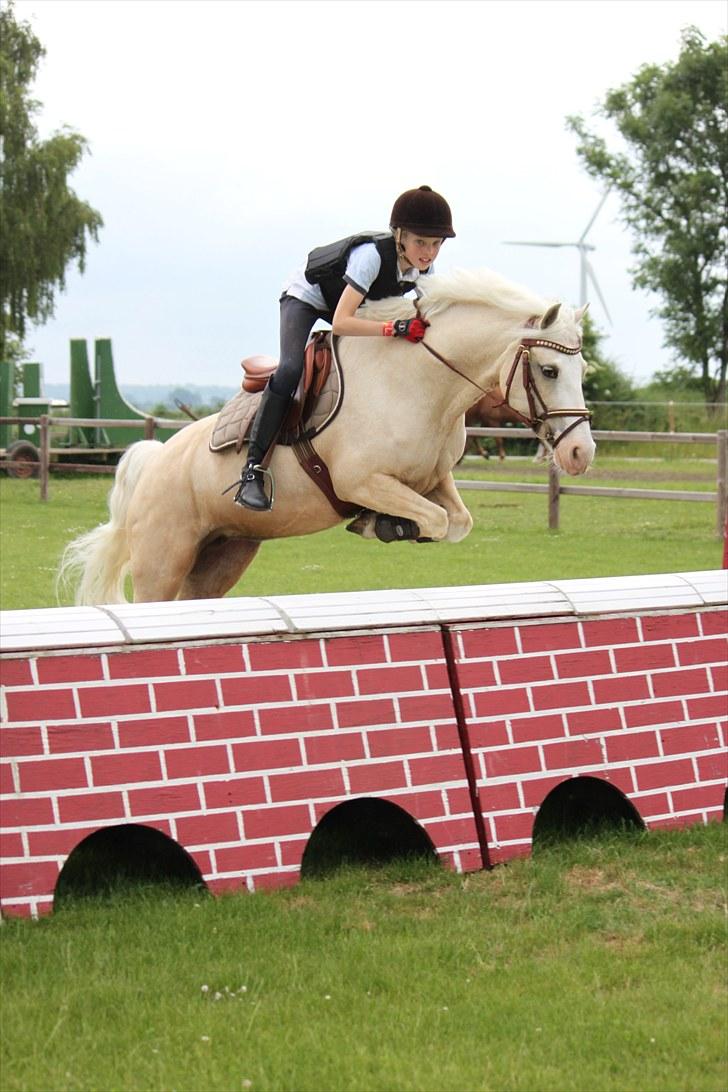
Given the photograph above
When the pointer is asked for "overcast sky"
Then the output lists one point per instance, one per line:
(229, 137)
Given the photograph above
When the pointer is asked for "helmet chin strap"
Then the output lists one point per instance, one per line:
(398, 239)
(401, 257)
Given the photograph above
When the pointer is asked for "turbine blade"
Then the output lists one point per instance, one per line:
(592, 277)
(587, 229)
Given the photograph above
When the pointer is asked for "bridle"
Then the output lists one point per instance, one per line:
(538, 410)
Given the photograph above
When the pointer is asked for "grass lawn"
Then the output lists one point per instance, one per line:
(592, 966)
(510, 541)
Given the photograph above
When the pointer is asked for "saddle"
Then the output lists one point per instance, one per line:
(315, 404)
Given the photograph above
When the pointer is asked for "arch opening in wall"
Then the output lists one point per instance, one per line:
(364, 832)
(119, 858)
(583, 807)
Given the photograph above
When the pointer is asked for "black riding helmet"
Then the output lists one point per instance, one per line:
(423, 212)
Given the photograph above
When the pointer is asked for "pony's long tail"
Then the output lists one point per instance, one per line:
(96, 563)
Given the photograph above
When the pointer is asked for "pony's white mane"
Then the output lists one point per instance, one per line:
(461, 286)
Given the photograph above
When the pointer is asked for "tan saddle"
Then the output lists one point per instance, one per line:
(314, 405)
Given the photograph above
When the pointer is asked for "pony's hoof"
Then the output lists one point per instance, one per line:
(363, 524)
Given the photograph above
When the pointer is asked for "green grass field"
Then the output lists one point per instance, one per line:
(592, 966)
(510, 541)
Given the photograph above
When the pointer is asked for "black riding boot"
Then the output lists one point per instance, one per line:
(266, 426)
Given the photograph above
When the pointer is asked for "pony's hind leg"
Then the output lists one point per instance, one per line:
(219, 565)
(161, 558)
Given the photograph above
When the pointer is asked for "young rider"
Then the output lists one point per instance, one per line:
(332, 285)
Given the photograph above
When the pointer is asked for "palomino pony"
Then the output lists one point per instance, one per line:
(390, 449)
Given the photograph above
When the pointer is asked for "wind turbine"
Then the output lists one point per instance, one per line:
(585, 268)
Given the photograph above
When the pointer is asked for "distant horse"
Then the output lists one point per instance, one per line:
(490, 411)
(390, 449)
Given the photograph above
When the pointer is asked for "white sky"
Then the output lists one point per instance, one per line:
(229, 137)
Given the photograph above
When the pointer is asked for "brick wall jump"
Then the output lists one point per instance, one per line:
(640, 702)
(236, 748)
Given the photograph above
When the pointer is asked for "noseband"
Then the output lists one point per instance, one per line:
(539, 411)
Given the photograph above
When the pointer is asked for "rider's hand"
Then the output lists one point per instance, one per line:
(413, 329)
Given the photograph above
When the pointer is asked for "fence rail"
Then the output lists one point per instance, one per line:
(553, 487)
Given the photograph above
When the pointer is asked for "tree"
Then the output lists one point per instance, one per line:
(672, 177)
(44, 226)
(605, 383)
(676, 381)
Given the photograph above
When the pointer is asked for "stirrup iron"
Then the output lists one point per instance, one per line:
(248, 474)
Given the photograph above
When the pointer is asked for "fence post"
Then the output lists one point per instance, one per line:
(721, 484)
(554, 493)
(43, 469)
(149, 426)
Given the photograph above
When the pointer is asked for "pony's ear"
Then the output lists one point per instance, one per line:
(580, 312)
(550, 317)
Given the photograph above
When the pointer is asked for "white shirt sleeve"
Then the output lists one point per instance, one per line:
(362, 268)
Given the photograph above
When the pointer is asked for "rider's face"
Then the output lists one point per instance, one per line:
(419, 250)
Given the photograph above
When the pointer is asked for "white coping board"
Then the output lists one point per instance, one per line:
(290, 615)
(196, 619)
(713, 586)
(650, 592)
(58, 627)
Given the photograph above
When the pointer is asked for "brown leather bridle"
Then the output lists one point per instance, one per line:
(539, 411)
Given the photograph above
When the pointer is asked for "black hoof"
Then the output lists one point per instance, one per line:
(360, 523)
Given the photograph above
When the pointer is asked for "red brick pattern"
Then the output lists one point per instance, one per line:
(237, 749)
(640, 702)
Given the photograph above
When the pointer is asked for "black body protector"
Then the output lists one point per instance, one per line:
(327, 264)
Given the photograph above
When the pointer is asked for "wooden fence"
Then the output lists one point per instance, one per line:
(553, 488)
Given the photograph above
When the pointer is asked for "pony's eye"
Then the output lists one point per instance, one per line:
(549, 371)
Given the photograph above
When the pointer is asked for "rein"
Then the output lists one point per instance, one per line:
(453, 368)
(539, 411)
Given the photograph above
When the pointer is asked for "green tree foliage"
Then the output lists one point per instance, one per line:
(672, 177)
(604, 382)
(44, 226)
(677, 381)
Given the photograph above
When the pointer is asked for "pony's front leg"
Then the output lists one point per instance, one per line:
(446, 495)
(384, 494)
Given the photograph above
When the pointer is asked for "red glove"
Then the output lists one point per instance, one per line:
(412, 328)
